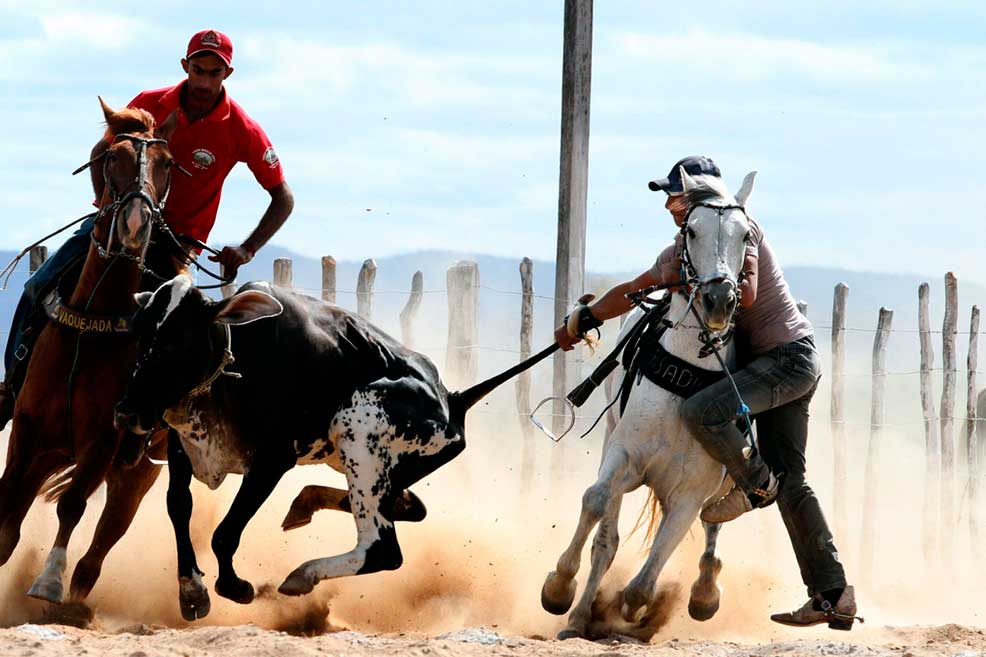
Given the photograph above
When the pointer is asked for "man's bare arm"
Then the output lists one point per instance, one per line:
(748, 287)
(281, 205)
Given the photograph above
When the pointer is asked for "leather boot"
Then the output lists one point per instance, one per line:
(736, 502)
(817, 610)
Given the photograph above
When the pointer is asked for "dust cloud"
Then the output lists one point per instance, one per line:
(481, 555)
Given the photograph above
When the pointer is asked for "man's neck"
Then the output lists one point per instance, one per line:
(196, 111)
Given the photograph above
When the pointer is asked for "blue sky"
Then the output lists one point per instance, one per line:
(426, 124)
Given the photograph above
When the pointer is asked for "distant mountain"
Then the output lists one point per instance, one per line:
(500, 300)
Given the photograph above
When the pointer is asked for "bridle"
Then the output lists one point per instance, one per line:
(120, 199)
(693, 282)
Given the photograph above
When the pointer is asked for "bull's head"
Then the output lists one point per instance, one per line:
(182, 338)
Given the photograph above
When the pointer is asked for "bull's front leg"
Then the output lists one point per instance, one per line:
(258, 483)
(193, 596)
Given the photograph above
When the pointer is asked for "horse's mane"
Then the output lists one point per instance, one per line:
(708, 189)
(130, 119)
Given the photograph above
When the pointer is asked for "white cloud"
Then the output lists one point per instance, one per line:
(88, 29)
(745, 57)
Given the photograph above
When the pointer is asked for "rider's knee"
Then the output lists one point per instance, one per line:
(702, 414)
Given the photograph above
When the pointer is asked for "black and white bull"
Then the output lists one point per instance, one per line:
(311, 383)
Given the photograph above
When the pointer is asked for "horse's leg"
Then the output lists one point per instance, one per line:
(90, 471)
(558, 591)
(258, 483)
(23, 481)
(704, 601)
(408, 507)
(604, 546)
(125, 488)
(193, 596)
(674, 525)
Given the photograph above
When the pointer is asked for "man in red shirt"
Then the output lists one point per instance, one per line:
(212, 135)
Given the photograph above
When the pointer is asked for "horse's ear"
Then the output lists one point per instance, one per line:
(746, 188)
(143, 298)
(246, 307)
(166, 129)
(687, 182)
(107, 110)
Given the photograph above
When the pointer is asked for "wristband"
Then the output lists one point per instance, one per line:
(581, 321)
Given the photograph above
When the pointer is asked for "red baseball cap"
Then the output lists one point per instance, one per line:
(212, 41)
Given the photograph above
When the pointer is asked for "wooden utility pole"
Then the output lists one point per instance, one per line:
(572, 184)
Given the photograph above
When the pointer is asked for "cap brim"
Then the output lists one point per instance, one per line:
(662, 185)
(217, 53)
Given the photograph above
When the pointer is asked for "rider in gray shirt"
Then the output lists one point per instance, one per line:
(779, 373)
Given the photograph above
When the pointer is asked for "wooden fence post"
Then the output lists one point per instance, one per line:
(573, 185)
(970, 430)
(38, 255)
(462, 357)
(877, 415)
(227, 289)
(523, 389)
(803, 307)
(364, 289)
(410, 311)
(931, 442)
(328, 279)
(283, 275)
(949, 327)
(838, 419)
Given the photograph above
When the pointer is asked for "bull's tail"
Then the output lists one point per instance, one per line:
(461, 401)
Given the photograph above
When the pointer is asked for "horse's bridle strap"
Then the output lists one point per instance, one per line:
(87, 324)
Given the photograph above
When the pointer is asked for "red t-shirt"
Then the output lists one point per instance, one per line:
(209, 149)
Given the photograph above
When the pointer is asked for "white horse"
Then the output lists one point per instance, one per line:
(650, 444)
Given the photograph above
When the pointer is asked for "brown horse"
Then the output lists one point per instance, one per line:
(62, 429)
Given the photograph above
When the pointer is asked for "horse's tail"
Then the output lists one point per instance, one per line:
(56, 485)
(650, 513)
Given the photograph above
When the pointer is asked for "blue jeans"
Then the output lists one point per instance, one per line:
(778, 387)
(38, 285)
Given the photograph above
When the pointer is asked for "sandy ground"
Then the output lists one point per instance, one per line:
(142, 641)
(473, 571)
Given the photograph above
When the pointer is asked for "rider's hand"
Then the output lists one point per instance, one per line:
(232, 258)
(564, 340)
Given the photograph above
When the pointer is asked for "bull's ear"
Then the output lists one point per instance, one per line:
(247, 307)
(143, 298)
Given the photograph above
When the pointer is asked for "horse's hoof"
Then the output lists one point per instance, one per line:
(74, 613)
(49, 590)
(238, 590)
(633, 604)
(702, 611)
(557, 594)
(570, 633)
(297, 583)
(193, 597)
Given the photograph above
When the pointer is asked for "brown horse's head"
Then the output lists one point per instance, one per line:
(137, 171)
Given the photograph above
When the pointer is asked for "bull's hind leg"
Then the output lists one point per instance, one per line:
(408, 507)
(558, 591)
(379, 462)
(125, 488)
(604, 547)
(90, 471)
(704, 601)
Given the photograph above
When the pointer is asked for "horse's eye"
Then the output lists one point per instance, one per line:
(748, 237)
(691, 232)
(111, 157)
(168, 163)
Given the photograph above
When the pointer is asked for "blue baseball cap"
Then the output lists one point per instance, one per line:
(695, 165)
